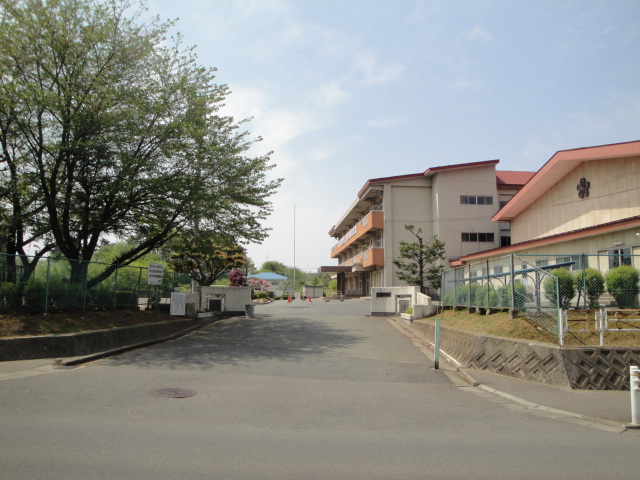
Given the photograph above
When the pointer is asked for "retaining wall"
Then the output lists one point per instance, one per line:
(86, 343)
(586, 368)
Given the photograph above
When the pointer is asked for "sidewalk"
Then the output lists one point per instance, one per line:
(607, 409)
(599, 406)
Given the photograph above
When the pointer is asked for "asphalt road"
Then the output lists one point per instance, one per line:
(304, 390)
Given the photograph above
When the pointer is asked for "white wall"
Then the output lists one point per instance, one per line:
(234, 298)
(384, 300)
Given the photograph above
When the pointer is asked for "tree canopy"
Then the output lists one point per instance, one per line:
(205, 258)
(108, 127)
(420, 262)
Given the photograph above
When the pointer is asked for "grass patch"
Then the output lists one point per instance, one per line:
(502, 325)
(73, 322)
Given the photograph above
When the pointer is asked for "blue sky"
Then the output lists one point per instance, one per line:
(343, 91)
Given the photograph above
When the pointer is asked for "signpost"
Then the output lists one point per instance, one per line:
(155, 272)
(178, 304)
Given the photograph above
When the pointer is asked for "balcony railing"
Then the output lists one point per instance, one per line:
(372, 221)
(369, 258)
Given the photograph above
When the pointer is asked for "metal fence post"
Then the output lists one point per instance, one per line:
(559, 308)
(513, 283)
(46, 289)
(115, 289)
(436, 348)
(635, 400)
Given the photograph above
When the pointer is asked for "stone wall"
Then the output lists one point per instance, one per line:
(87, 343)
(587, 368)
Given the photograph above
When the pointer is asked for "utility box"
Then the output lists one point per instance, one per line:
(313, 291)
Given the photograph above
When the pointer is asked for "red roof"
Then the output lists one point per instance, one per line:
(513, 178)
(556, 168)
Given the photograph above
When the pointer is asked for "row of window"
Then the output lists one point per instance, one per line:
(475, 200)
(478, 237)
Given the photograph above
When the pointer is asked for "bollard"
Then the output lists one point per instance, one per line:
(436, 348)
(635, 397)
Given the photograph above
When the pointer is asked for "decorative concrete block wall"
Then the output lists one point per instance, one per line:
(587, 368)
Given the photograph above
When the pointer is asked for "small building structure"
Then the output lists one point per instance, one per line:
(279, 285)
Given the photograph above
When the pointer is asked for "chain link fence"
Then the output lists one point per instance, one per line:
(34, 285)
(540, 287)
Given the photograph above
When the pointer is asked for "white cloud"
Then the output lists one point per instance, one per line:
(385, 121)
(329, 95)
(278, 126)
(366, 63)
(477, 34)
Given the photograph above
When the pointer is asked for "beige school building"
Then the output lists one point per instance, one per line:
(456, 203)
(583, 201)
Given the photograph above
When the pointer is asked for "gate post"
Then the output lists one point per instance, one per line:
(635, 397)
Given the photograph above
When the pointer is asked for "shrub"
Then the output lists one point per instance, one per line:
(409, 311)
(7, 294)
(262, 295)
(622, 284)
(34, 296)
(565, 286)
(590, 284)
(504, 295)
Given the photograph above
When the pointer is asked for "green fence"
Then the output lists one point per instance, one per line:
(541, 286)
(51, 284)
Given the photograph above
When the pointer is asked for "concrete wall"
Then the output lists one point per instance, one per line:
(86, 343)
(234, 298)
(586, 368)
(387, 301)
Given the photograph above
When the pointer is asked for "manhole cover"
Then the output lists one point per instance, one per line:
(174, 392)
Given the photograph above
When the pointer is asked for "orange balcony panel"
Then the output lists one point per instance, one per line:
(372, 221)
(374, 257)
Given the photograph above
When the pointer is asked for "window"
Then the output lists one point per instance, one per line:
(478, 237)
(505, 241)
(475, 200)
(498, 269)
(619, 257)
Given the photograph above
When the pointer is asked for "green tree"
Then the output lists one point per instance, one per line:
(420, 263)
(563, 279)
(622, 284)
(274, 267)
(590, 285)
(116, 130)
(206, 258)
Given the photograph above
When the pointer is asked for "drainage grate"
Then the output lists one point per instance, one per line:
(174, 392)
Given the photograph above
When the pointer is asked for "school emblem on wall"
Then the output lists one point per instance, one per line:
(583, 188)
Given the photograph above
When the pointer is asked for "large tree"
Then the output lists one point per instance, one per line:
(420, 262)
(206, 258)
(115, 130)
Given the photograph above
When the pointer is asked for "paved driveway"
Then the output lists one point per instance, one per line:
(304, 390)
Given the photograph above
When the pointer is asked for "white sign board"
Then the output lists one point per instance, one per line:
(154, 273)
(178, 303)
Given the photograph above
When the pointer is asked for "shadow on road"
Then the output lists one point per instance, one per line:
(239, 340)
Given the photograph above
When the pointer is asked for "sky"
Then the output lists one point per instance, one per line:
(342, 91)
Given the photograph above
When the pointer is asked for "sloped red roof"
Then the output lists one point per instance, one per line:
(556, 168)
(513, 178)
